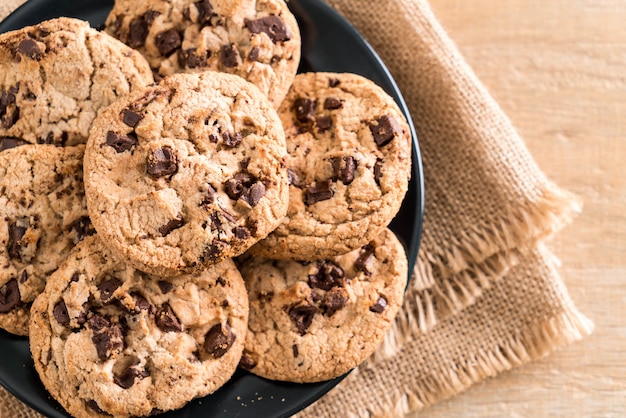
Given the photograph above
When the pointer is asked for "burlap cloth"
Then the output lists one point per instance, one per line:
(486, 294)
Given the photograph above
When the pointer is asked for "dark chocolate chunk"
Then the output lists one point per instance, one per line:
(333, 82)
(94, 407)
(335, 299)
(150, 15)
(304, 108)
(121, 142)
(272, 25)
(294, 178)
(127, 378)
(213, 251)
(241, 232)
(9, 296)
(8, 143)
(138, 32)
(318, 192)
(384, 129)
(378, 170)
(191, 59)
(141, 303)
(9, 112)
(275, 58)
(108, 287)
(107, 338)
(208, 198)
(166, 319)
(324, 123)
(165, 286)
(343, 168)
(361, 262)
(168, 41)
(82, 228)
(205, 12)
(254, 193)
(29, 48)
(379, 306)
(328, 275)
(220, 280)
(253, 55)
(229, 55)
(219, 340)
(332, 103)
(60, 313)
(247, 362)
(231, 140)
(17, 230)
(161, 162)
(131, 118)
(302, 315)
(237, 185)
(294, 348)
(23, 276)
(171, 225)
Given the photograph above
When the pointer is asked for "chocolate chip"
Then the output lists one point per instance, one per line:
(191, 59)
(107, 338)
(318, 192)
(324, 123)
(254, 194)
(384, 129)
(150, 15)
(60, 313)
(229, 55)
(302, 315)
(161, 162)
(23, 276)
(8, 143)
(253, 55)
(131, 118)
(208, 198)
(166, 319)
(304, 108)
(213, 251)
(94, 407)
(141, 303)
(272, 25)
(241, 232)
(237, 185)
(138, 32)
(108, 287)
(295, 178)
(379, 306)
(361, 262)
(9, 296)
(9, 112)
(30, 49)
(168, 41)
(220, 280)
(343, 168)
(219, 340)
(332, 103)
(121, 142)
(328, 275)
(17, 230)
(164, 230)
(333, 82)
(247, 362)
(275, 58)
(294, 348)
(378, 170)
(127, 378)
(205, 12)
(82, 228)
(165, 287)
(231, 140)
(335, 299)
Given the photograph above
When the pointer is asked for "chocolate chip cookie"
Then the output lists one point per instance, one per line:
(110, 340)
(314, 321)
(43, 214)
(57, 75)
(349, 164)
(186, 173)
(258, 40)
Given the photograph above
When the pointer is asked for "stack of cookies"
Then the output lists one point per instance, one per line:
(232, 214)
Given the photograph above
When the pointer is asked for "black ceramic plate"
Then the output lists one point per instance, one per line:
(329, 43)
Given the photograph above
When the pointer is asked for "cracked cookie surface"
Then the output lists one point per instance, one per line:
(55, 77)
(186, 173)
(314, 321)
(258, 40)
(110, 340)
(43, 214)
(349, 162)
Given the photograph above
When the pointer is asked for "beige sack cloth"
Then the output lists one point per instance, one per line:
(485, 295)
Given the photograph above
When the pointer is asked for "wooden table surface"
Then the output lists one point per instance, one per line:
(558, 68)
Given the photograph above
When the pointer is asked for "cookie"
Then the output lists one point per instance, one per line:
(349, 163)
(43, 214)
(258, 40)
(314, 321)
(186, 173)
(56, 76)
(109, 339)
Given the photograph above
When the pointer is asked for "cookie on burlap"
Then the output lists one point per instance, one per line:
(56, 76)
(258, 40)
(109, 339)
(349, 162)
(43, 214)
(314, 321)
(186, 173)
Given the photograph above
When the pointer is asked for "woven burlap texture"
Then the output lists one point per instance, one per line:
(485, 295)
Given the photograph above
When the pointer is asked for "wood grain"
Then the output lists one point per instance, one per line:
(558, 69)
